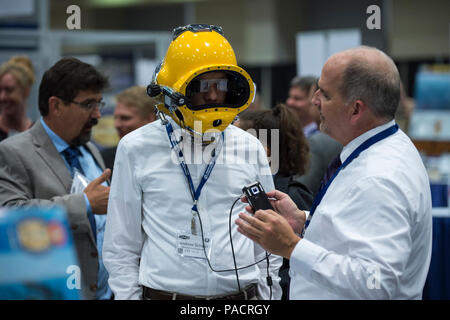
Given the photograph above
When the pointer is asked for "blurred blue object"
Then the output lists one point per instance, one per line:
(439, 195)
(37, 256)
(437, 286)
(431, 125)
(432, 90)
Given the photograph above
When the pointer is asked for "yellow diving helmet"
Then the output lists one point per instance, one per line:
(199, 81)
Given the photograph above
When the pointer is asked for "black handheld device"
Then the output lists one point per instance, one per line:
(257, 197)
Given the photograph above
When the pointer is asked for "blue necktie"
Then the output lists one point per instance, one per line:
(331, 169)
(72, 154)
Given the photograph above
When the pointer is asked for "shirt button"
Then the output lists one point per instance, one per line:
(74, 227)
(93, 287)
(94, 254)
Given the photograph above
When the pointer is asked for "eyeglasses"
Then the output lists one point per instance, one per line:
(206, 84)
(195, 28)
(88, 105)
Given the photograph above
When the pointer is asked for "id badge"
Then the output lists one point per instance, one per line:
(79, 182)
(191, 246)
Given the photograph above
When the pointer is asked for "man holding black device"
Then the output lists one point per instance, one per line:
(169, 236)
(368, 234)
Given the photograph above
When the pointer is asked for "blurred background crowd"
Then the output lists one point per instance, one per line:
(281, 43)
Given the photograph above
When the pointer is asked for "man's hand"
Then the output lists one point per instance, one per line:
(284, 205)
(270, 230)
(98, 194)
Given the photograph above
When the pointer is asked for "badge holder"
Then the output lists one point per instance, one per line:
(191, 246)
(79, 182)
(194, 244)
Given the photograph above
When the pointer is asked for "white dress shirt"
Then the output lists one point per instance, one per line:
(150, 203)
(370, 237)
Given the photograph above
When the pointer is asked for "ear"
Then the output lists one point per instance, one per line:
(55, 106)
(356, 111)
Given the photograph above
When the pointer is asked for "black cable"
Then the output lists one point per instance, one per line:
(232, 247)
(269, 279)
(209, 263)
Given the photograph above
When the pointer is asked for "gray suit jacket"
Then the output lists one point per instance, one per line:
(32, 172)
(323, 150)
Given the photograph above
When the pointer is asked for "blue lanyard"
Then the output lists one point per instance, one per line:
(194, 192)
(365, 145)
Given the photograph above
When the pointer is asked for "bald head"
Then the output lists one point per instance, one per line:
(368, 74)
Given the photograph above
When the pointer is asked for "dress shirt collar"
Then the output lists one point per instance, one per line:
(355, 143)
(59, 143)
(188, 139)
(310, 128)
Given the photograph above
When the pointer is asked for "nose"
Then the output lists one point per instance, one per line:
(211, 95)
(289, 101)
(95, 113)
(118, 124)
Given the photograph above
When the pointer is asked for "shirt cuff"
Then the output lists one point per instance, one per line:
(307, 214)
(88, 205)
(304, 257)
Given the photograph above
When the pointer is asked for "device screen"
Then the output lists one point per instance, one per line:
(257, 197)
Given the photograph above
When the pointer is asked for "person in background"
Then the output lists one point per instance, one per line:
(38, 166)
(134, 109)
(16, 80)
(405, 110)
(299, 101)
(323, 148)
(368, 234)
(293, 152)
(257, 104)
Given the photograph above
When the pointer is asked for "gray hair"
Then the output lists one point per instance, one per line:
(305, 83)
(378, 88)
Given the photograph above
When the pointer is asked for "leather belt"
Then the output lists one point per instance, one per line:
(245, 294)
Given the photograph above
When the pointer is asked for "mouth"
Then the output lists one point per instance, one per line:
(6, 105)
(87, 129)
(88, 126)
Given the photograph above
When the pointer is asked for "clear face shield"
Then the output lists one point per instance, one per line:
(223, 89)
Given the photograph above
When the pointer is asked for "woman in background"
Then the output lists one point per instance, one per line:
(292, 158)
(16, 80)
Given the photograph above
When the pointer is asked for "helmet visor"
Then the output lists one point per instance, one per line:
(215, 89)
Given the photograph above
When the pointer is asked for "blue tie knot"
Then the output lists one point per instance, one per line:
(72, 154)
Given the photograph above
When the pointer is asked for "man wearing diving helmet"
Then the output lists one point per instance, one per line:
(168, 234)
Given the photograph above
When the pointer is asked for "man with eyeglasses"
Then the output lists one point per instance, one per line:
(39, 166)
